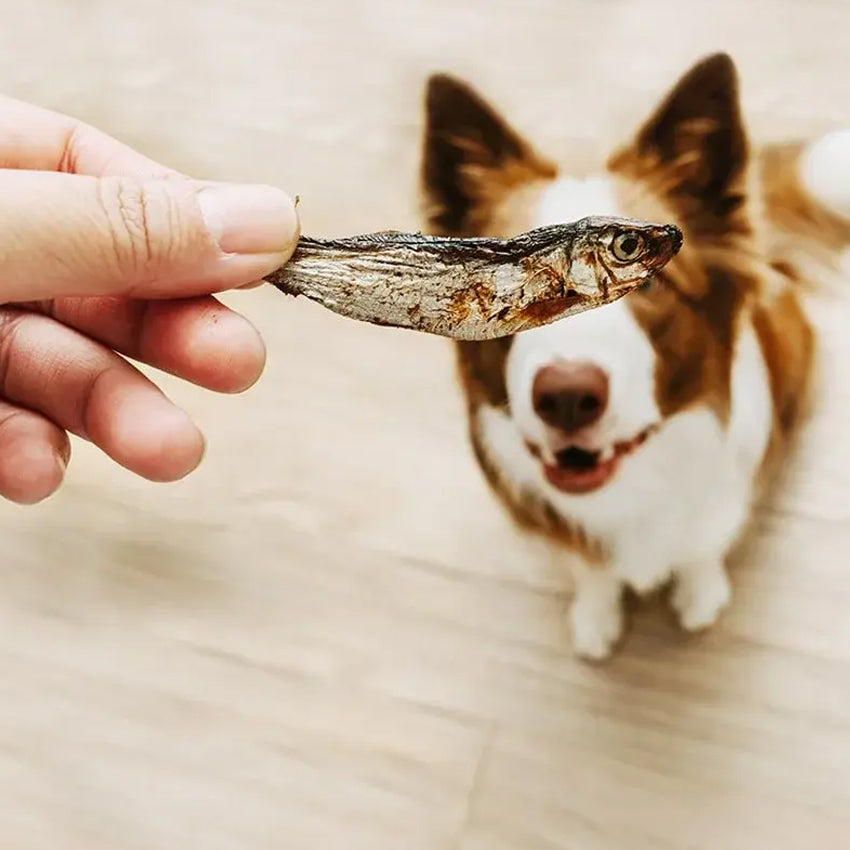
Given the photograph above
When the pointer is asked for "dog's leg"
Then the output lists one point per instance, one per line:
(597, 614)
(701, 591)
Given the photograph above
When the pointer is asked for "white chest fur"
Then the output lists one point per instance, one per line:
(682, 497)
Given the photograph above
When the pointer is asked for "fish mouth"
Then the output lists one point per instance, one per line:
(670, 242)
(577, 470)
(673, 236)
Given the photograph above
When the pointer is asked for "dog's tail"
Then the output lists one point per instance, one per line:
(805, 187)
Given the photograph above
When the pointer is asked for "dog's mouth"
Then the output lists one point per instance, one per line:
(579, 469)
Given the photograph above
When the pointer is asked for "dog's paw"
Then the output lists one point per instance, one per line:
(700, 594)
(597, 626)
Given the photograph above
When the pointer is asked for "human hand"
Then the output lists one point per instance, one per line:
(104, 253)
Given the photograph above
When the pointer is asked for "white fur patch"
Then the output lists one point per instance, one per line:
(681, 498)
(570, 198)
(608, 336)
(701, 593)
(825, 171)
(597, 615)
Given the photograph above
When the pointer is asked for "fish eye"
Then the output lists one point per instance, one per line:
(628, 246)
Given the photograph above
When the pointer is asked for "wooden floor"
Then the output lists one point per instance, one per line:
(329, 638)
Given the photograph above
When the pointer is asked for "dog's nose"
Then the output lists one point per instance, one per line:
(570, 395)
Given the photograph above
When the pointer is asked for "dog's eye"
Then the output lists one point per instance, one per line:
(627, 246)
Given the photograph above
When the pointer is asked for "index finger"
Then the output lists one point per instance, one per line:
(38, 139)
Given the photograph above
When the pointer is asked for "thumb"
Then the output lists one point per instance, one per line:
(68, 234)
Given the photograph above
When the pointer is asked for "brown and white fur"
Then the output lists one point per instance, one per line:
(707, 370)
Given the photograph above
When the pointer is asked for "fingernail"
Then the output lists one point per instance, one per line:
(250, 219)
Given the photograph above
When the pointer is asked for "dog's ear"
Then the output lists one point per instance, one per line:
(471, 157)
(695, 145)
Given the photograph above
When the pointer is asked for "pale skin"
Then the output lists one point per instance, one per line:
(106, 255)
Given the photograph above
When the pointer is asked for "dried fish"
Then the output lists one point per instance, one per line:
(480, 287)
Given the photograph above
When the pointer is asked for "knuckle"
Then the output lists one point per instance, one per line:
(138, 217)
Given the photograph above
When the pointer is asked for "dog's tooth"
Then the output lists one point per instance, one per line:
(606, 454)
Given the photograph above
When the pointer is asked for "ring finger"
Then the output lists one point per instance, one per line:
(33, 455)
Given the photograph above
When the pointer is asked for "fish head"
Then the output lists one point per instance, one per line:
(612, 256)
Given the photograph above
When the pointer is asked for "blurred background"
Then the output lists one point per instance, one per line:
(329, 636)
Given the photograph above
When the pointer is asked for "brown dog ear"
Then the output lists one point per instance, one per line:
(471, 157)
(696, 145)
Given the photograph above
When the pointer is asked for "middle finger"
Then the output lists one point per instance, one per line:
(197, 339)
(93, 393)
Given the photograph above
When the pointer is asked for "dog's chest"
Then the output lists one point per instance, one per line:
(683, 497)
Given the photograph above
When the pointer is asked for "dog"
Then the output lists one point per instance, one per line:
(638, 437)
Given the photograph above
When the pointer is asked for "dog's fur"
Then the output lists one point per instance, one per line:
(716, 356)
